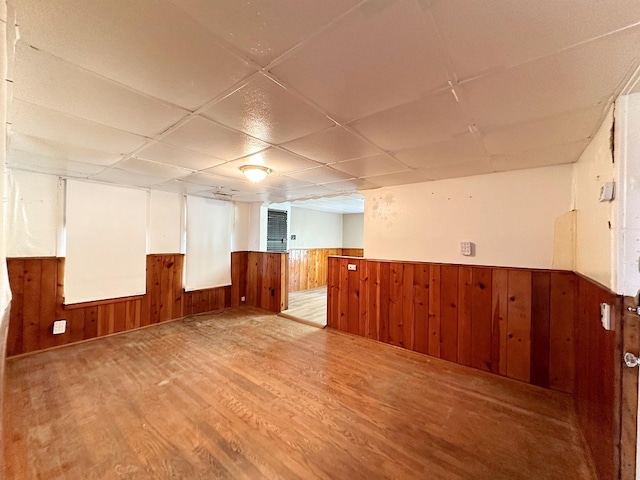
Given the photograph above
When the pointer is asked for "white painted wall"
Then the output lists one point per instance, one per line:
(32, 214)
(241, 227)
(5, 290)
(353, 230)
(593, 231)
(315, 229)
(165, 222)
(509, 216)
(626, 215)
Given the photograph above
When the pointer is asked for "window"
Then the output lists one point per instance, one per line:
(276, 231)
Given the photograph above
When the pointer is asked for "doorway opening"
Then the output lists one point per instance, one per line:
(319, 228)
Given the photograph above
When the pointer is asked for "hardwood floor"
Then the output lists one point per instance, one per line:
(246, 394)
(309, 305)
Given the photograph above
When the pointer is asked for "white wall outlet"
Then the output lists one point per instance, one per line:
(352, 266)
(59, 326)
(243, 299)
(467, 249)
(607, 192)
(605, 315)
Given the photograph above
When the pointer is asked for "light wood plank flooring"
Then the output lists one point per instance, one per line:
(309, 305)
(247, 394)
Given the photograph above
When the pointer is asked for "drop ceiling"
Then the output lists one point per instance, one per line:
(334, 96)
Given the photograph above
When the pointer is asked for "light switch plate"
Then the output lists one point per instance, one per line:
(605, 316)
(466, 249)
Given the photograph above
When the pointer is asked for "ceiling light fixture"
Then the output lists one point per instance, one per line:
(255, 173)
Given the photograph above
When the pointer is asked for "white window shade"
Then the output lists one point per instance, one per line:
(208, 257)
(106, 231)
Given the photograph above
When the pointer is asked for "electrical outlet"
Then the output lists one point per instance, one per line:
(243, 299)
(352, 266)
(59, 327)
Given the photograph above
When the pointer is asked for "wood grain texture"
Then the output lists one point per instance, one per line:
(38, 288)
(267, 280)
(629, 394)
(597, 386)
(246, 394)
(494, 319)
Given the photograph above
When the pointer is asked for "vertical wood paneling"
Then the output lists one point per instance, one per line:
(308, 267)
(563, 299)
(385, 295)
(465, 281)
(597, 386)
(363, 300)
(31, 305)
(373, 298)
(519, 325)
(396, 273)
(38, 289)
(500, 300)
(239, 262)
(408, 318)
(435, 302)
(421, 307)
(333, 295)
(15, 335)
(481, 334)
(540, 327)
(353, 300)
(343, 295)
(449, 295)
(514, 322)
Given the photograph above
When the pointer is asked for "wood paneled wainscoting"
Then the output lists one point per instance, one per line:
(538, 326)
(37, 287)
(308, 267)
(513, 322)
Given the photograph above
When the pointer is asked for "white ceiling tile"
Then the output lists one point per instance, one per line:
(178, 186)
(402, 178)
(460, 149)
(153, 169)
(263, 29)
(180, 157)
(207, 137)
(430, 119)
(332, 145)
(320, 175)
(61, 151)
(225, 184)
(306, 192)
(284, 183)
(150, 45)
(265, 110)
(126, 177)
(278, 161)
(454, 170)
(486, 35)
(260, 197)
(539, 157)
(380, 55)
(353, 203)
(352, 185)
(559, 129)
(54, 166)
(570, 80)
(36, 121)
(370, 166)
(49, 82)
